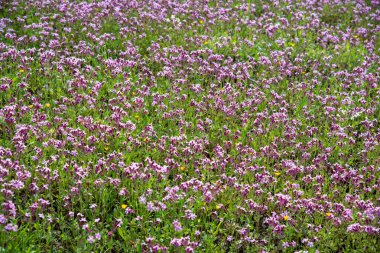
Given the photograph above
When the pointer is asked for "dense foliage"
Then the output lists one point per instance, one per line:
(189, 126)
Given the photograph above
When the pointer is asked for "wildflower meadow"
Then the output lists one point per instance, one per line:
(189, 126)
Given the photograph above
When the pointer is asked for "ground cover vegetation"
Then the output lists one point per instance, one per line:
(189, 126)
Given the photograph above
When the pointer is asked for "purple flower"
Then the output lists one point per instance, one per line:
(3, 220)
(354, 228)
(177, 225)
(11, 227)
(91, 239)
(97, 236)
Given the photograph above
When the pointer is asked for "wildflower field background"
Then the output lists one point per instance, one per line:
(189, 126)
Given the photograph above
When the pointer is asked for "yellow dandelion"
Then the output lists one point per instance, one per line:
(329, 214)
(47, 105)
(124, 206)
(21, 70)
(182, 168)
(106, 148)
(277, 174)
(200, 21)
(30, 106)
(286, 217)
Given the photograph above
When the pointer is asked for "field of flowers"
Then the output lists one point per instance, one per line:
(189, 126)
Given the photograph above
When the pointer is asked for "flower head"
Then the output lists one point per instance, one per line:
(177, 225)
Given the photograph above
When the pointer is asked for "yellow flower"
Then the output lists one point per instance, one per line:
(51, 131)
(137, 116)
(285, 217)
(145, 139)
(200, 21)
(106, 148)
(124, 206)
(47, 105)
(182, 168)
(21, 70)
(277, 174)
(30, 106)
(328, 214)
(133, 93)
(218, 206)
